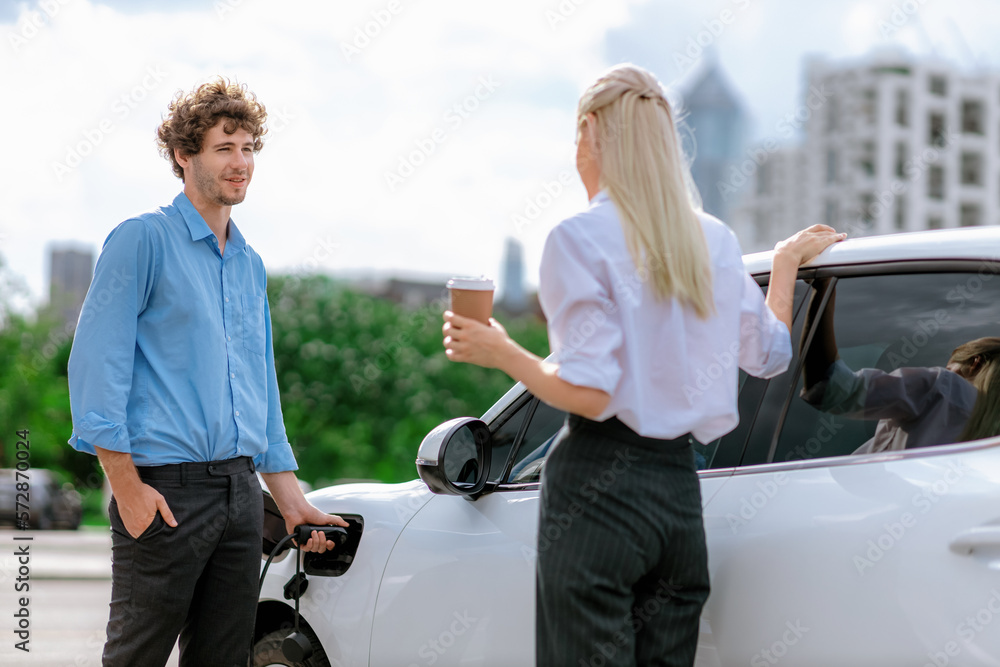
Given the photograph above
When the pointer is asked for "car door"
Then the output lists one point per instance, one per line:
(822, 557)
(459, 584)
(459, 587)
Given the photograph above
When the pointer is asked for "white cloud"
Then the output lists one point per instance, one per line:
(87, 102)
(340, 122)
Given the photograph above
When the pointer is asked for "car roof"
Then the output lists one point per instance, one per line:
(966, 243)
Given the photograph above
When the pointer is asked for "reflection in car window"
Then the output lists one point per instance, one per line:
(534, 448)
(503, 440)
(889, 322)
(545, 424)
(762, 406)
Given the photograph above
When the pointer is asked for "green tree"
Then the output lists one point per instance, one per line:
(363, 380)
(34, 394)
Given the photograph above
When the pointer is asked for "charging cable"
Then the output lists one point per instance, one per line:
(297, 646)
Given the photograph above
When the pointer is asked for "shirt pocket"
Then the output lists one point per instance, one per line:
(253, 323)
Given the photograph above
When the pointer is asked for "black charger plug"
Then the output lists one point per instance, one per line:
(335, 534)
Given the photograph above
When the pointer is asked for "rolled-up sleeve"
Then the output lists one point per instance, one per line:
(765, 342)
(576, 304)
(278, 456)
(104, 345)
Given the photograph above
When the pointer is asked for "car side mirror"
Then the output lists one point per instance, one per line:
(454, 458)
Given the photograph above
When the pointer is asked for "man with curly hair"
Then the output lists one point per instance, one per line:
(173, 388)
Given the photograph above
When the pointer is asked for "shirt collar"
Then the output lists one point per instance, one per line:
(600, 198)
(199, 229)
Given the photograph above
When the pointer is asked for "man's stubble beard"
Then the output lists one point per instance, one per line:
(210, 188)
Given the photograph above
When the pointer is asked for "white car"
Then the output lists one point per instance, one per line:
(818, 556)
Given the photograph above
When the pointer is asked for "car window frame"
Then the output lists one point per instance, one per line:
(527, 401)
(869, 269)
(515, 449)
(758, 387)
(764, 385)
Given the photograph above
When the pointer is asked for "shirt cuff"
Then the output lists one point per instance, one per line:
(276, 458)
(96, 431)
(582, 374)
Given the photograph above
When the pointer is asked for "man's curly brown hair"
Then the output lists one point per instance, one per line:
(193, 114)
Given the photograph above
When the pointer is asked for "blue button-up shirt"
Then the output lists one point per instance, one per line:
(172, 358)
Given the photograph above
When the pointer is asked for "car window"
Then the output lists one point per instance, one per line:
(545, 422)
(872, 372)
(762, 401)
(727, 451)
(534, 447)
(505, 430)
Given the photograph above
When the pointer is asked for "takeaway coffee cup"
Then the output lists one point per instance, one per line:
(472, 297)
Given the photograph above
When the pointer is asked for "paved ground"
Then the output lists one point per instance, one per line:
(70, 587)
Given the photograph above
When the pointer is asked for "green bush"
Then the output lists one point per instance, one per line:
(362, 381)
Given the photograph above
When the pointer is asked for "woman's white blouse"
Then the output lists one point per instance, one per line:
(667, 371)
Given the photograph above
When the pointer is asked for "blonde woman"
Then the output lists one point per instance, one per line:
(641, 292)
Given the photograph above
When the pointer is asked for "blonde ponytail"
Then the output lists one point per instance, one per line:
(644, 173)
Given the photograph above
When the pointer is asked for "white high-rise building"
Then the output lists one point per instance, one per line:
(897, 144)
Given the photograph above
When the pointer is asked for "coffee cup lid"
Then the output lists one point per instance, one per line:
(481, 283)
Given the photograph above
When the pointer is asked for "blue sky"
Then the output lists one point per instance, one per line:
(407, 137)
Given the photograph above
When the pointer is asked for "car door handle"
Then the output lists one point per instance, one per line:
(981, 536)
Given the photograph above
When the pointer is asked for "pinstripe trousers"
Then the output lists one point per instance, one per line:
(622, 570)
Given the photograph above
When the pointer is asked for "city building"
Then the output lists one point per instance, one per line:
(715, 133)
(513, 297)
(891, 143)
(70, 272)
